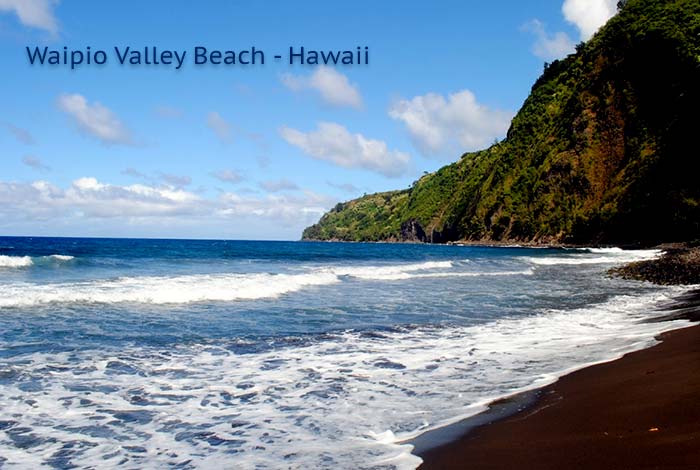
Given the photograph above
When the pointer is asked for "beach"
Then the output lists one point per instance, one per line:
(640, 411)
(145, 353)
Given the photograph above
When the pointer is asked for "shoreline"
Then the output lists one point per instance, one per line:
(478, 243)
(486, 243)
(592, 417)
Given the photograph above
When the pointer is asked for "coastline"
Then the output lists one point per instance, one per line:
(638, 411)
(508, 243)
(483, 243)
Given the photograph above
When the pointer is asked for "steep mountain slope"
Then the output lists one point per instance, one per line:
(602, 151)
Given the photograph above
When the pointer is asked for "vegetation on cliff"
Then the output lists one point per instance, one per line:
(602, 151)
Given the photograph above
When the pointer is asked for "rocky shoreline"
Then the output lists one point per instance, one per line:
(679, 266)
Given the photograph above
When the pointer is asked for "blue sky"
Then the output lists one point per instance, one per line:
(255, 152)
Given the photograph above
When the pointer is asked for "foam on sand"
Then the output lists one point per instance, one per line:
(346, 400)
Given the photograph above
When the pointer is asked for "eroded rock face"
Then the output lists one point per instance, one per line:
(412, 231)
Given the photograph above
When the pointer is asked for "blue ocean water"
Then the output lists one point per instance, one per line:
(243, 354)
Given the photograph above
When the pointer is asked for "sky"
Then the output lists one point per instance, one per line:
(257, 151)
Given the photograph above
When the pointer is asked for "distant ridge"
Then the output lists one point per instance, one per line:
(604, 150)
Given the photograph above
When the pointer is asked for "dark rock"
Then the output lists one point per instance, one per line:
(676, 266)
(411, 230)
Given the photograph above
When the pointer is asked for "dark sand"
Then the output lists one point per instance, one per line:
(641, 411)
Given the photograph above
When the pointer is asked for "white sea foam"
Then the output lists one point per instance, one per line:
(61, 257)
(570, 260)
(164, 290)
(627, 254)
(221, 287)
(604, 256)
(345, 402)
(15, 261)
(26, 261)
(612, 249)
(391, 272)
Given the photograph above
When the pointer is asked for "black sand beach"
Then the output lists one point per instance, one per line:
(641, 411)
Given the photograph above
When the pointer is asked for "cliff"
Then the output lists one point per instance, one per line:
(602, 151)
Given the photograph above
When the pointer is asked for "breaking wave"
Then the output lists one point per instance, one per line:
(603, 256)
(15, 261)
(348, 401)
(223, 287)
(26, 261)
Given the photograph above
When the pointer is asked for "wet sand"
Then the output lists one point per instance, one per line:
(640, 411)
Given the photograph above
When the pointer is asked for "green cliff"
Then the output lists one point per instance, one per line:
(603, 150)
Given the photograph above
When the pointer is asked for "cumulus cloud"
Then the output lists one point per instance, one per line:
(549, 46)
(286, 209)
(95, 119)
(588, 15)
(107, 208)
(274, 186)
(333, 86)
(98, 199)
(34, 13)
(228, 176)
(89, 197)
(334, 143)
(35, 163)
(443, 126)
(220, 127)
(22, 135)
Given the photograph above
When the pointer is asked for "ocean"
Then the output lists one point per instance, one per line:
(188, 354)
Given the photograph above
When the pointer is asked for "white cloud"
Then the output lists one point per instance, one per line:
(549, 46)
(284, 208)
(588, 15)
(333, 86)
(274, 186)
(95, 119)
(22, 135)
(34, 13)
(88, 197)
(35, 163)
(443, 126)
(228, 176)
(220, 126)
(90, 204)
(334, 143)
